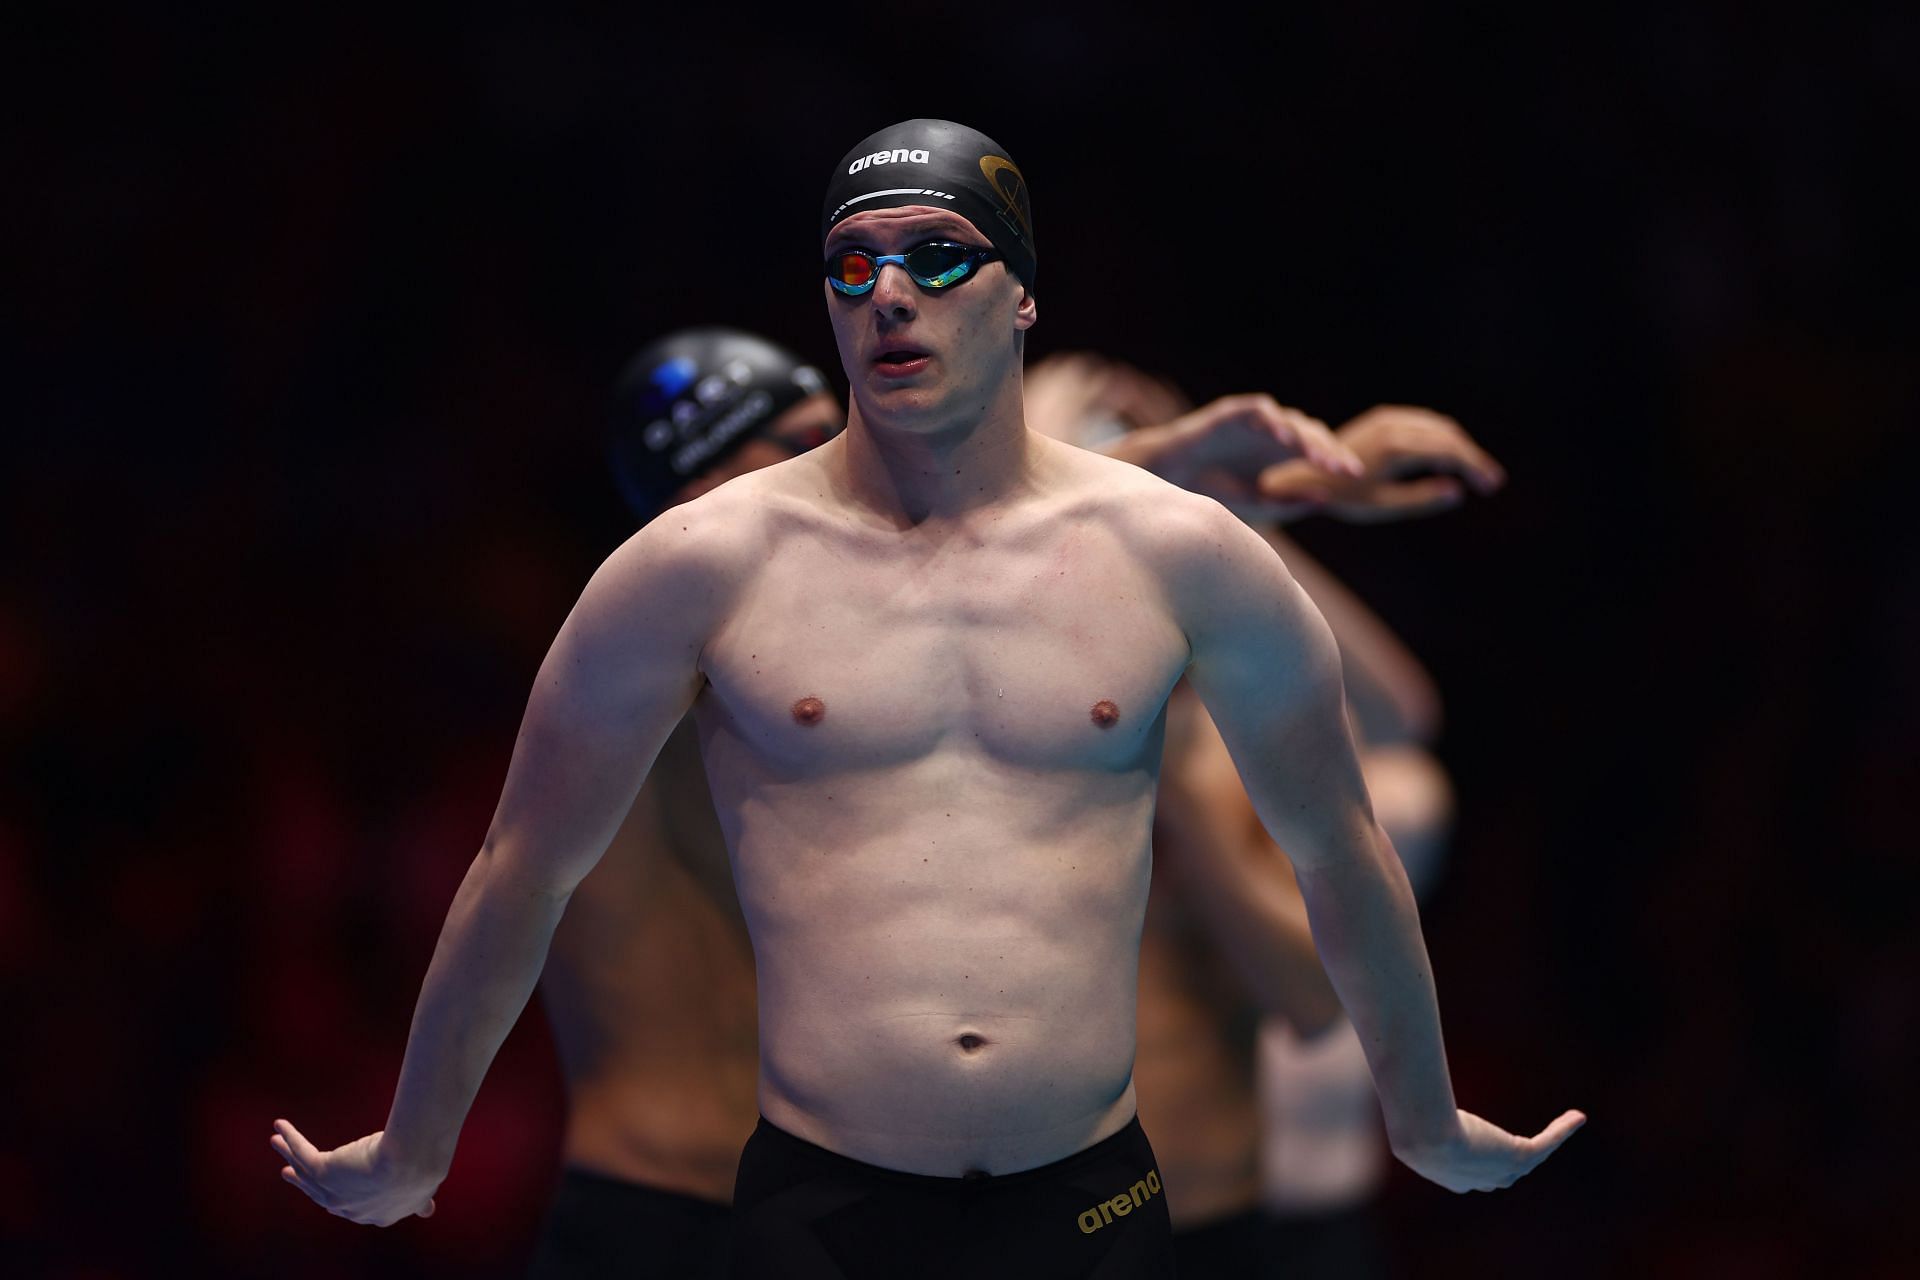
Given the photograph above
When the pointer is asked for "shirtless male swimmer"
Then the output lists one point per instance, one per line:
(649, 978)
(929, 663)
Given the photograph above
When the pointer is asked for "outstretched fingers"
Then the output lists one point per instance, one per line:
(295, 1149)
(304, 1161)
(312, 1191)
(1485, 1157)
(1535, 1150)
(1439, 442)
(1312, 437)
(1548, 1140)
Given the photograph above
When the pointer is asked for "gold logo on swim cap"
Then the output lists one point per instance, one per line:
(1004, 176)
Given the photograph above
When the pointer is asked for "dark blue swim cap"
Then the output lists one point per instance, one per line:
(947, 166)
(687, 401)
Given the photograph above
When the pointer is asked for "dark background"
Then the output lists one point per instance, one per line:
(311, 323)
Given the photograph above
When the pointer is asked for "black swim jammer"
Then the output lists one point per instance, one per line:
(802, 1212)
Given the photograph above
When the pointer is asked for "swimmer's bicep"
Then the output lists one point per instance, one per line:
(1268, 670)
(1253, 632)
(619, 676)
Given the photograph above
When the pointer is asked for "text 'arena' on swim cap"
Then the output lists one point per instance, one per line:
(944, 165)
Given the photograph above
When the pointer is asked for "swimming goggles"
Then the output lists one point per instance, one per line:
(938, 264)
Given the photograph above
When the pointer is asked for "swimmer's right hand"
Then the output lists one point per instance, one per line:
(1478, 1156)
(359, 1182)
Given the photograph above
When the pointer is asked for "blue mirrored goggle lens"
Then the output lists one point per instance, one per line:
(939, 265)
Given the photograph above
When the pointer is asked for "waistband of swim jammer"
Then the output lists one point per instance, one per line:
(1129, 1135)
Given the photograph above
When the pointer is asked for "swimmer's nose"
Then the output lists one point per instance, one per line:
(894, 294)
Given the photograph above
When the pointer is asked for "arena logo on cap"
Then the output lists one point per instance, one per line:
(918, 155)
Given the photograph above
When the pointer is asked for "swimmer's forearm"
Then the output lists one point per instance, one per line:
(1368, 929)
(490, 954)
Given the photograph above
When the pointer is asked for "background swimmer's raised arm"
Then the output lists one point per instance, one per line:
(1266, 666)
(621, 673)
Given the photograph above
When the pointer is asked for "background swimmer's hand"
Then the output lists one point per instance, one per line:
(361, 1181)
(1416, 463)
(1480, 1156)
(1223, 450)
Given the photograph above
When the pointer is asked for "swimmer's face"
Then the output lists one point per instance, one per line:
(798, 429)
(922, 359)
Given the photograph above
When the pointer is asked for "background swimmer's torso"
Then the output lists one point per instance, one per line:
(649, 986)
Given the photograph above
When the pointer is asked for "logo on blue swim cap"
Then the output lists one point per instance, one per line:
(670, 379)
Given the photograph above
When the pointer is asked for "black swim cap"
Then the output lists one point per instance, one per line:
(948, 166)
(690, 399)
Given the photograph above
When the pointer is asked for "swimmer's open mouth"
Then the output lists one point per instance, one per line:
(899, 356)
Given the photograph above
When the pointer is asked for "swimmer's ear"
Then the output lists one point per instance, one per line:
(1028, 311)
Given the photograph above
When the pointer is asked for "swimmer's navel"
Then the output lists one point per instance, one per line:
(971, 1043)
(809, 710)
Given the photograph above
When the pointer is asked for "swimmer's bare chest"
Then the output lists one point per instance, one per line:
(1037, 646)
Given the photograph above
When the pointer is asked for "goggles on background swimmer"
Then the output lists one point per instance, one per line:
(938, 264)
(810, 435)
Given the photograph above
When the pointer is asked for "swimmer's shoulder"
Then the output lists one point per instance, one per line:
(791, 503)
(1094, 472)
(693, 557)
(1209, 563)
(1162, 523)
